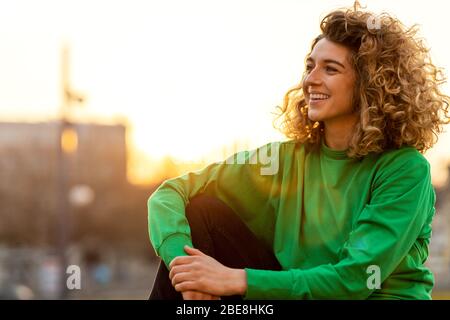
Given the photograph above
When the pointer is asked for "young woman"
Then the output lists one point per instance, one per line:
(347, 213)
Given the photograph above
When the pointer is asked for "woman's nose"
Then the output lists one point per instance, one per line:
(313, 78)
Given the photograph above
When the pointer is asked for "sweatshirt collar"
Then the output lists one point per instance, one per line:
(331, 153)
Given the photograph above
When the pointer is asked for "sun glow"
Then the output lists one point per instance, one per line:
(192, 77)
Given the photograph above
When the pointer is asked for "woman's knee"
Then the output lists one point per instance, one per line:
(208, 215)
(207, 208)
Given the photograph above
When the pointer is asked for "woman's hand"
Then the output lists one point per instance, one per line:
(202, 273)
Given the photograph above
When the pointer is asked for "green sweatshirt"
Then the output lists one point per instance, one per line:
(341, 228)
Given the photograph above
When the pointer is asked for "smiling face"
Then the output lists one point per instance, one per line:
(329, 83)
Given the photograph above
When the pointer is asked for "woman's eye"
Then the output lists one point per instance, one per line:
(331, 69)
(309, 68)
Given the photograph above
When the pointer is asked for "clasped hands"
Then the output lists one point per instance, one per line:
(201, 277)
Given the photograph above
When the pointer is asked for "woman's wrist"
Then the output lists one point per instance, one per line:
(239, 281)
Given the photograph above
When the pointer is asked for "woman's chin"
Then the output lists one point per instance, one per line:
(314, 117)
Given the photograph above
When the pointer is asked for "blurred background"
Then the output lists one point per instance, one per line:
(101, 100)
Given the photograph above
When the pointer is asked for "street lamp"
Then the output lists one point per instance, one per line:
(67, 144)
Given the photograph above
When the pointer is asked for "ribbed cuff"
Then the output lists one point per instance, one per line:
(267, 284)
(173, 246)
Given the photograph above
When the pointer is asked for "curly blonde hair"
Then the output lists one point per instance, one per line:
(396, 92)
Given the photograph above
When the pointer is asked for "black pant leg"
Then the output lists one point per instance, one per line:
(162, 287)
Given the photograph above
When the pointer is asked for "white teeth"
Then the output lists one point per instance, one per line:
(318, 96)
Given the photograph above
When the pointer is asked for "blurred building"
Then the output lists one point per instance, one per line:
(34, 145)
(97, 190)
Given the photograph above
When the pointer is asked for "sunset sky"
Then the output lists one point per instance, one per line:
(189, 76)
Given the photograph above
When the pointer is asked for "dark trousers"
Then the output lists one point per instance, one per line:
(217, 231)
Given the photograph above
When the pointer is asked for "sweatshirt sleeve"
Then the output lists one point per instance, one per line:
(246, 181)
(382, 235)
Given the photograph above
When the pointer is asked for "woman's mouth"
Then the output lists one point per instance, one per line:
(315, 98)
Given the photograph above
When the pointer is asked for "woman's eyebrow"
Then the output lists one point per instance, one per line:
(327, 61)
